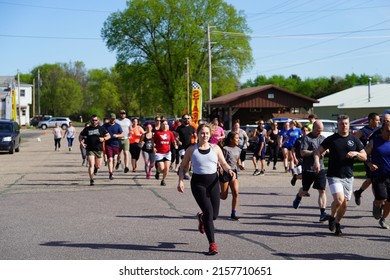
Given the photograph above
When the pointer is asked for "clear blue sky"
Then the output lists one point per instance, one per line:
(310, 38)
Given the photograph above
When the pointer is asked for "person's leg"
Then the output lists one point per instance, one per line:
(91, 165)
(224, 190)
(234, 189)
(203, 199)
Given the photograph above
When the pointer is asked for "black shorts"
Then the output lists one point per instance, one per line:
(225, 177)
(381, 187)
(317, 179)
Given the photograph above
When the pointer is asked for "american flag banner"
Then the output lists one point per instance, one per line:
(196, 108)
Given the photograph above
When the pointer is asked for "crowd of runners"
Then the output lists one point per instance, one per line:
(211, 159)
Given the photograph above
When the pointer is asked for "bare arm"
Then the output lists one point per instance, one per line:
(317, 155)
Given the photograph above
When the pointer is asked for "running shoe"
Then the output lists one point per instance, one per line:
(338, 230)
(274, 168)
(95, 170)
(92, 182)
(111, 177)
(117, 165)
(294, 179)
(262, 172)
(213, 250)
(332, 224)
(357, 194)
(82, 164)
(234, 217)
(324, 217)
(162, 183)
(382, 223)
(157, 176)
(126, 169)
(297, 201)
(256, 173)
(376, 211)
(186, 176)
(200, 222)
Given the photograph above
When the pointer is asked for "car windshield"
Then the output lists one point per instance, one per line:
(5, 127)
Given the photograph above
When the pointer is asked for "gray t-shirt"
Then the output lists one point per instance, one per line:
(232, 155)
(310, 143)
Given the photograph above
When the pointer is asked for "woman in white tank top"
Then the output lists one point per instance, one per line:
(204, 182)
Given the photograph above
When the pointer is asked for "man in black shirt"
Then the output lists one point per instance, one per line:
(343, 149)
(184, 134)
(92, 138)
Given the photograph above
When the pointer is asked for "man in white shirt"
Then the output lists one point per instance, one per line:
(124, 146)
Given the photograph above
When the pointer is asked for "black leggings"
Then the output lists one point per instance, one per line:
(273, 153)
(205, 189)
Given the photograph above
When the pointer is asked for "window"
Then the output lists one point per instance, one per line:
(22, 92)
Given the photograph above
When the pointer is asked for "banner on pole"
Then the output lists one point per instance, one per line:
(13, 99)
(196, 111)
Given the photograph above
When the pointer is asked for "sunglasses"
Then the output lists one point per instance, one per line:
(187, 118)
(94, 120)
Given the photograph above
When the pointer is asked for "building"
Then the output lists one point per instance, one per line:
(10, 106)
(263, 102)
(356, 102)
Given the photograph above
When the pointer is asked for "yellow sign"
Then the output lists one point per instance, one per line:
(13, 105)
(196, 112)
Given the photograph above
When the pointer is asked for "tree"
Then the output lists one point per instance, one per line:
(162, 34)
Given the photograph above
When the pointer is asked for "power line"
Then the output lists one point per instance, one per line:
(327, 57)
(54, 8)
(49, 37)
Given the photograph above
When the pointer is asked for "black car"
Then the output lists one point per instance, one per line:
(9, 136)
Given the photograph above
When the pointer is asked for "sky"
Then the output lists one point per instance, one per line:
(308, 38)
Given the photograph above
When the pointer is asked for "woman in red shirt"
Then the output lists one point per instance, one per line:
(163, 139)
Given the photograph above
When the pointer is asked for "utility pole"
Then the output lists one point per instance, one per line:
(39, 93)
(188, 85)
(369, 89)
(19, 102)
(210, 74)
(33, 98)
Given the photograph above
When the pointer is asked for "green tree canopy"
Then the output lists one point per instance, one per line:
(162, 34)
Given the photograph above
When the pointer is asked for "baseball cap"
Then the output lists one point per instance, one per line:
(112, 116)
(122, 111)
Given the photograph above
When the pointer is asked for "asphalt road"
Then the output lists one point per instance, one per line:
(48, 211)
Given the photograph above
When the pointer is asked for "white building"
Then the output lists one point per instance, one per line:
(356, 102)
(9, 108)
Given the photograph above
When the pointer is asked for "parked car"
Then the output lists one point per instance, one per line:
(36, 119)
(9, 136)
(63, 122)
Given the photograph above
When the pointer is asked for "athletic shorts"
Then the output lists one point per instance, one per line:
(163, 157)
(97, 154)
(317, 179)
(381, 187)
(124, 145)
(344, 185)
(262, 154)
(225, 177)
(182, 152)
(112, 151)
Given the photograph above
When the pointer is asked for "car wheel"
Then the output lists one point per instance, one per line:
(12, 149)
(17, 149)
(64, 126)
(44, 126)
